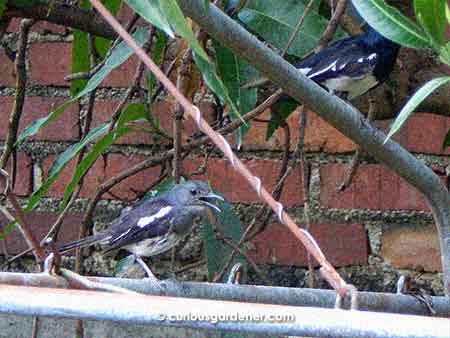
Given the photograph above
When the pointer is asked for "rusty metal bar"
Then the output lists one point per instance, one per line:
(368, 301)
(215, 315)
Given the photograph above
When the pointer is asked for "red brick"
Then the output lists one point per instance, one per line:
(23, 183)
(40, 223)
(227, 181)
(41, 27)
(373, 187)
(8, 78)
(319, 136)
(342, 244)
(123, 75)
(99, 173)
(409, 246)
(422, 133)
(161, 110)
(103, 112)
(50, 62)
(64, 128)
(136, 183)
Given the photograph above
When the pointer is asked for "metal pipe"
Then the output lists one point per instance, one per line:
(368, 301)
(215, 315)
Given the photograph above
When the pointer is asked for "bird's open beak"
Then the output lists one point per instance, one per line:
(210, 196)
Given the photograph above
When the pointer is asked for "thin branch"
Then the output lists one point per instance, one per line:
(21, 220)
(21, 82)
(183, 81)
(60, 13)
(298, 26)
(354, 165)
(332, 26)
(135, 82)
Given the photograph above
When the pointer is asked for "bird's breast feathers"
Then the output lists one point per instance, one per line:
(153, 246)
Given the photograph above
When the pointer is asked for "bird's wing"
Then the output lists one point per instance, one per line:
(343, 60)
(146, 220)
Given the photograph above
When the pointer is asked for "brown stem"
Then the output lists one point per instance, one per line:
(21, 82)
(21, 220)
(354, 165)
(298, 26)
(328, 34)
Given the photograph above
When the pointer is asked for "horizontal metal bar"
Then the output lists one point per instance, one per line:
(368, 301)
(215, 315)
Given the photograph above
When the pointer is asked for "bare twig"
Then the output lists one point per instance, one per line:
(183, 78)
(21, 81)
(78, 281)
(306, 173)
(35, 328)
(328, 34)
(298, 26)
(354, 165)
(135, 83)
(21, 220)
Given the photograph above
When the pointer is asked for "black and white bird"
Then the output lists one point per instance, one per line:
(352, 66)
(155, 225)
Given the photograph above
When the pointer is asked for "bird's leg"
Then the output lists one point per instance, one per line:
(145, 267)
(358, 154)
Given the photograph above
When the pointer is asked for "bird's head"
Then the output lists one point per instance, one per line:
(195, 193)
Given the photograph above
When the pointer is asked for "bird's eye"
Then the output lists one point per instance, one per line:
(194, 192)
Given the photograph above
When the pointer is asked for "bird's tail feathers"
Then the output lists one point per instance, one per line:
(84, 242)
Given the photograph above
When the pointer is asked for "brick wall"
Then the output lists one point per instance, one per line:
(377, 228)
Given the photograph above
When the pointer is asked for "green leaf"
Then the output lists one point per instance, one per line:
(391, 23)
(447, 13)
(174, 14)
(2, 7)
(417, 99)
(158, 46)
(281, 110)
(151, 11)
(124, 264)
(118, 56)
(216, 251)
(133, 112)
(276, 22)
(102, 45)
(235, 72)
(431, 15)
(7, 229)
(88, 160)
(446, 142)
(61, 162)
(80, 60)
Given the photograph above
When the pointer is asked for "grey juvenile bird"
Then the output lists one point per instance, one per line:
(155, 225)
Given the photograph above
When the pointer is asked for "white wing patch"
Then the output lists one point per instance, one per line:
(304, 71)
(372, 56)
(144, 221)
(331, 66)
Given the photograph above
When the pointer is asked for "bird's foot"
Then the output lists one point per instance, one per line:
(146, 269)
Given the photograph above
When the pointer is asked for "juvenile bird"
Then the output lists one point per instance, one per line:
(352, 66)
(155, 225)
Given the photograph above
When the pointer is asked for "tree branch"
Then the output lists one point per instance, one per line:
(60, 14)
